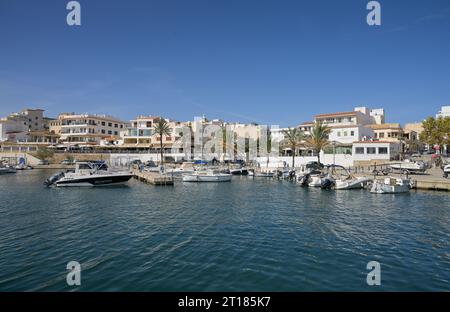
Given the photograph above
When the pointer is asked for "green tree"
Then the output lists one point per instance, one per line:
(318, 139)
(162, 128)
(436, 131)
(293, 138)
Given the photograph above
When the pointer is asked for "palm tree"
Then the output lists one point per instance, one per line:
(161, 127)
(293, 138)
(318, 138)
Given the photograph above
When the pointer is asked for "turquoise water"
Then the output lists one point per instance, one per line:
(246, 235)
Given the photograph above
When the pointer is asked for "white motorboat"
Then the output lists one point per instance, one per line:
(408, 166)
(351, 183)
(89, 174)
(391, 185)
(7, 170)
(185, 168)
(207, 176)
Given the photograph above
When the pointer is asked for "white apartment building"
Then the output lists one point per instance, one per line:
(348, 127)
(140, 133)
(86, 129)
(444, 112)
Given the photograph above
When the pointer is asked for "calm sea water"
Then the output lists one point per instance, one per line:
(259, 235)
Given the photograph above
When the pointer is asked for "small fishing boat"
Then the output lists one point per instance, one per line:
(351, 183)
(391, 185)
(210, 175)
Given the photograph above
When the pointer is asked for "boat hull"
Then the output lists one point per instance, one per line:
(102, 180)
(351, 185)
(206, 178)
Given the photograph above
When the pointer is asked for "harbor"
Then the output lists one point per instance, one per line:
(255, 234)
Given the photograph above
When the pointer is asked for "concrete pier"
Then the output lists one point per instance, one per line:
(153, 177)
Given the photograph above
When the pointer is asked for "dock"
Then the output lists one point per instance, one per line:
(154, 178)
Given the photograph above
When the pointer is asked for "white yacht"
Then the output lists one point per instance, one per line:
(391, 185)
(89, 174)
(210, 175)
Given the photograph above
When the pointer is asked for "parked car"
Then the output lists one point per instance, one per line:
(43, 162)
(67, 162)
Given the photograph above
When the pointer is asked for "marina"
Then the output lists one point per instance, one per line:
(252, 234)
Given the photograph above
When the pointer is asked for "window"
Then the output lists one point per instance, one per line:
(103, 123)
(116, 125)
(371, 150)
(382, 150)
(109, 124)
(339, 134)
(121, 126)
(103, 131)
(115, 133)
(382, 135)
(345, 133)
(359, 150)
(109, 132)
(352, 133)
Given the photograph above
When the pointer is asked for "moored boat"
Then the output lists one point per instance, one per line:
(391, 185)
(89, 174)
(351, 183)
(209, 175)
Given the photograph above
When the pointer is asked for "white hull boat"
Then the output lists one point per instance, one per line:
(352, 183)
(88, 174)
(7, 170)
(409, 167)
(207, 176)
(391, 185)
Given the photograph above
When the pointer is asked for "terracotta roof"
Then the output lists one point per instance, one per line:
(336, 114)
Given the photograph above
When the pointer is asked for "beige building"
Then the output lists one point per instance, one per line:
(140, 133)
(27, 126)
(391, 132)
(86, 129)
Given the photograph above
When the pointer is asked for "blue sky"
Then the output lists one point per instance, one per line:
(274, 62)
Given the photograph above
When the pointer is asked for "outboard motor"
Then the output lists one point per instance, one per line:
(304, 180)
(50, 181)
(327, 183)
